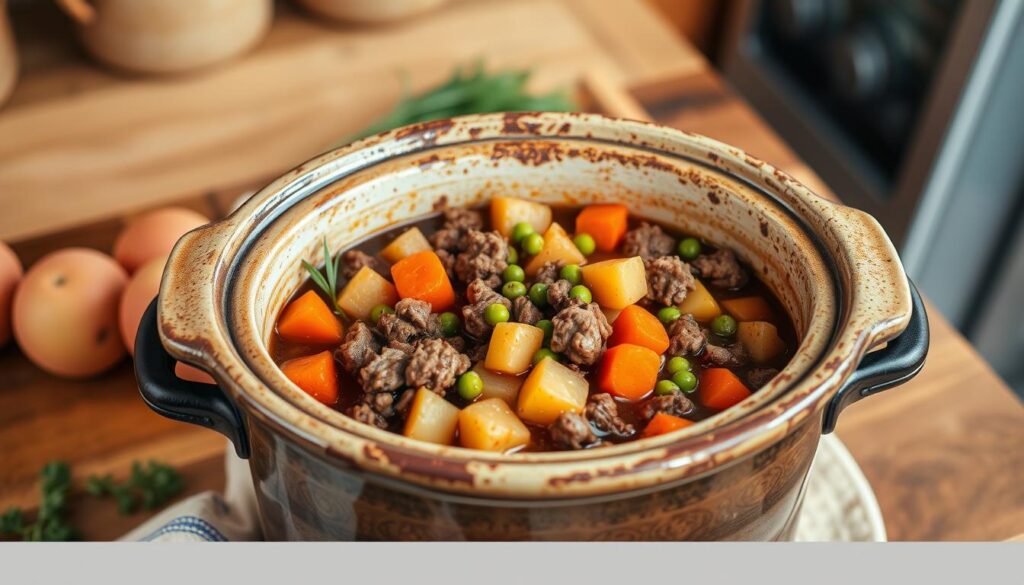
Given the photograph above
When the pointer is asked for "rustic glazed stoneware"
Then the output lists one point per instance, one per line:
(169, 36)
(738, 475)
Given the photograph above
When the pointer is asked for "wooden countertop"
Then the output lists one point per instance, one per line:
(84, 148)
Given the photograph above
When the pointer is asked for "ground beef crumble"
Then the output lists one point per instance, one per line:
(358, 347)
(721, 269)
(758, 377)
(524, 311)
(685, 336)
(668, 280)
(647, 241)
(603, 414)
(579, 333)
(675, 404)
(571, 431)
(732, 356)
(435, 365)
(354, 260)
(411, 320)
(385, 372)
(480, 296)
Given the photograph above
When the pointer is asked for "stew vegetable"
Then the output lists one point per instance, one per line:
(500, 330)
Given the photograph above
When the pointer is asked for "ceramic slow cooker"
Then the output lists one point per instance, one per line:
(738, 475)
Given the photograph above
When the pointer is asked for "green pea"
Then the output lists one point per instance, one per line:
(572, 273)
(379, 310)
(470, 385)
(665, 387)
(513, 256)
(533, 244)
(669, 314)
(513, 290)
(581, 294)
(585, 244)
(677, 364)
(539, 294)
(496, 313)
(547, 327)
(542, 353)
(520, 231)
(723, 325)
(450, 324)
(689, 248)
(686, 381)
(513, 273)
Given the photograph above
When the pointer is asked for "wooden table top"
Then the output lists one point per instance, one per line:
(84, 148)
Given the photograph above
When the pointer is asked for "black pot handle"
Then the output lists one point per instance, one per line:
(201, 404)
(890, 366)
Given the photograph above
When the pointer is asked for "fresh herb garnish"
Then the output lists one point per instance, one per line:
(471, 92)
(328, 281)
(149, 486)
(50, 523)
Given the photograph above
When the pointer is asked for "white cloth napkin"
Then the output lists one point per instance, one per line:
(209, 516)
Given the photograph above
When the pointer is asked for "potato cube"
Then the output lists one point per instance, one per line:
(558, 247)
(618, 283)
(512, 347)
(366, 290)
(700, 303)
(431, 418)
(761, 340)
(490, 425)
(550, 390)
(748, 308)
(611, 314)
(497, 385)
(410, 242)
(506, 212)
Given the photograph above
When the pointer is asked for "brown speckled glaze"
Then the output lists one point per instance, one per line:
(737, 475)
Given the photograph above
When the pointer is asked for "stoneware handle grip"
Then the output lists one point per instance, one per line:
(900, 360)
(192, 402)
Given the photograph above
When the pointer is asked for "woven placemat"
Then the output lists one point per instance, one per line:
(839, 504)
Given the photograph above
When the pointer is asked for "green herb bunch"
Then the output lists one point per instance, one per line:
(51, 523)
(149, 486)
(471, 91)
(327, 281)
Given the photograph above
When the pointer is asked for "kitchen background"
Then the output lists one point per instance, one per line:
(907, 109)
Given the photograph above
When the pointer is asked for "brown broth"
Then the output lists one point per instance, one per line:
(350, 391)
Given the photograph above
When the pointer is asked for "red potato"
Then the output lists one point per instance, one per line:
(142, 288)
(153, 235)
(10, 275)
(65, 312)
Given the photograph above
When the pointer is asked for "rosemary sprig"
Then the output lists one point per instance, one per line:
(472, 91)
(327, 281)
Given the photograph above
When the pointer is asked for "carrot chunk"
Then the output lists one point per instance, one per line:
(422, 276)
(308, 319)
(664, 423)
(720, 389)
(605, 222)
(637, 326)
(628, 371)
(315, 374)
